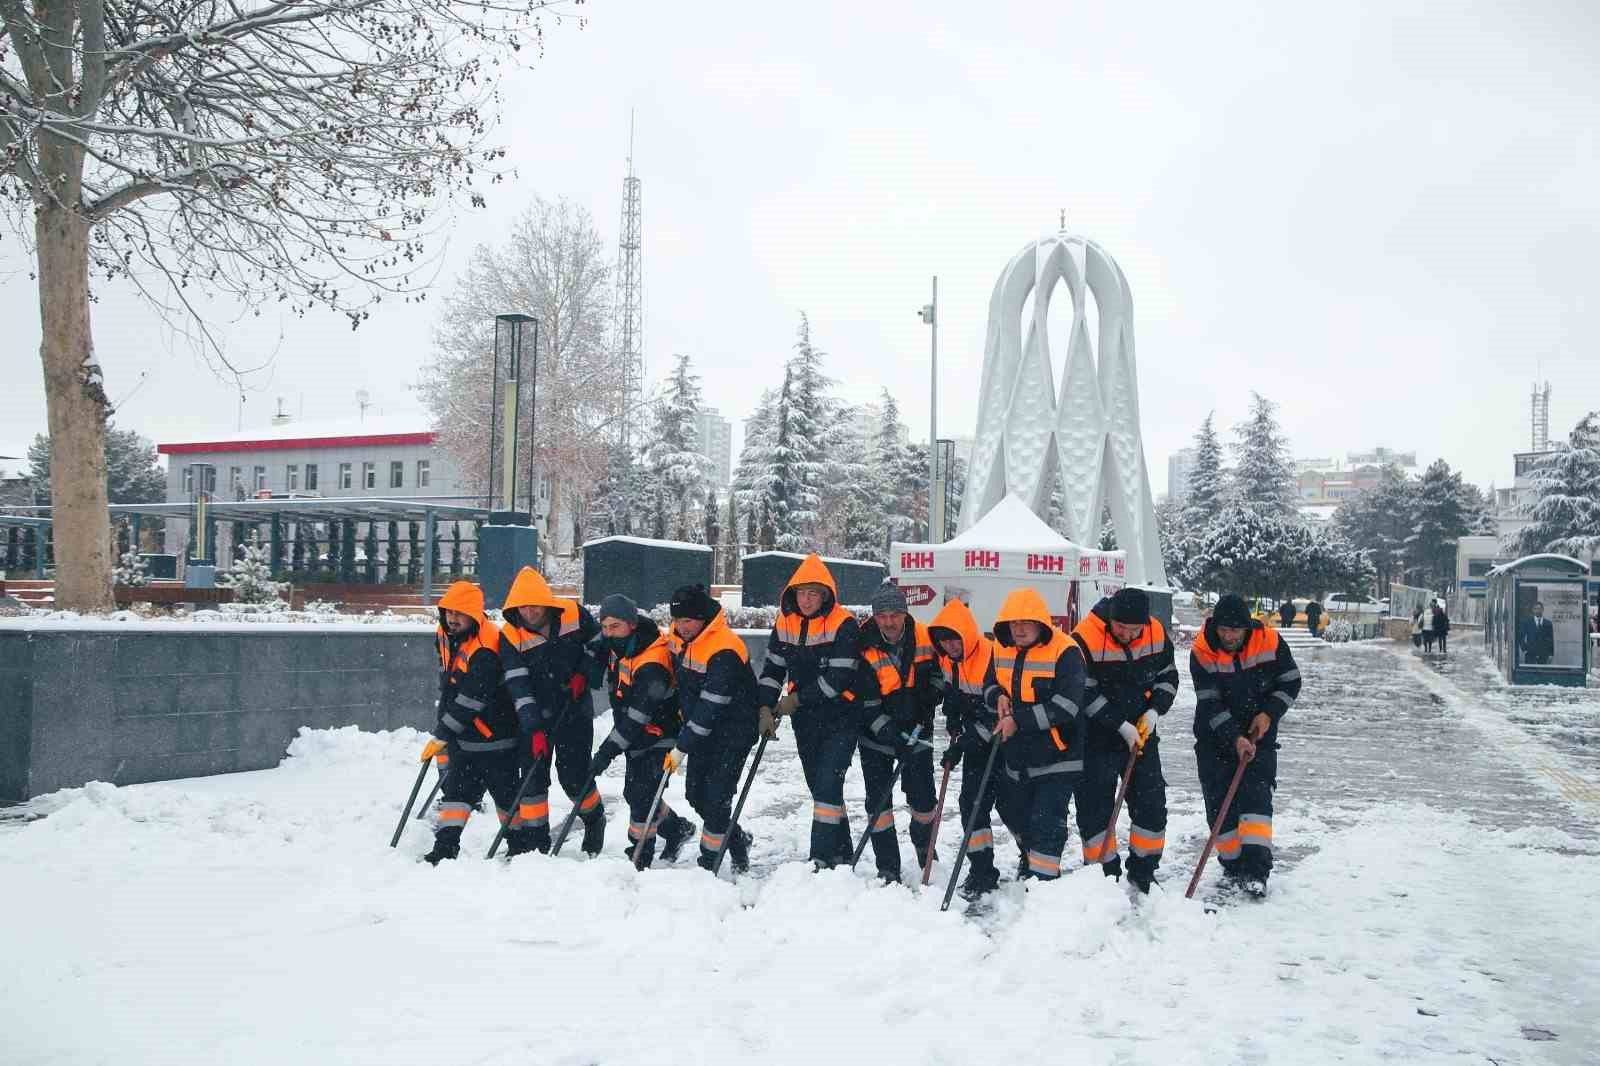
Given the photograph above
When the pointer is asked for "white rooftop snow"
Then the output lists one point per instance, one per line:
(370, 426)
(680, 545)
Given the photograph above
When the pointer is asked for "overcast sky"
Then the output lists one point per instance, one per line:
(1382, 216)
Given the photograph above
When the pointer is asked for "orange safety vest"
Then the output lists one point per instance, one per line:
(527, 639)
(455, 662)
(1260, 647)
(1100, 645)
(655, 652)
(716, 637)
(797, 629)
(890, 677)
(1034, 663)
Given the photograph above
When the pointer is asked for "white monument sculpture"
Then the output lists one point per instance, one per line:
(1083, 436)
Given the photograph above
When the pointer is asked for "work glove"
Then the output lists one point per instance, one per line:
(952, 754)
(769, 722)
(1130, 736)
(671, 761)
(432, 748)
(577, 685)
(1146, 726)
(904, 745)
(788, 703)
(598, 764)
(539, 745)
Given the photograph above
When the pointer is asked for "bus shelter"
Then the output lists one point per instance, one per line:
(1536, 620)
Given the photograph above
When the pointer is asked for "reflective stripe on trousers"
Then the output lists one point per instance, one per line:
(1145, 842)
(1098, 849)
(827, 812)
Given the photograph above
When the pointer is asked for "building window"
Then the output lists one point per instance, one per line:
(397, 474)
(311, 477)
(369, 475)
(188, 481)
(293, 481)
(236, 480)
(261, 479)
(345, 476)
(422, 473)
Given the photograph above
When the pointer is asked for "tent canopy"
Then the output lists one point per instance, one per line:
(1010, 524)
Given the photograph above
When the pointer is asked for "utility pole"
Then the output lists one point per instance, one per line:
(930, 316)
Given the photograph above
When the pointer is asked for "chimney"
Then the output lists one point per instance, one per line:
(282, 417)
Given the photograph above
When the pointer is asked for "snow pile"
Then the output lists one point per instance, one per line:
(261, 918)
(223, 614)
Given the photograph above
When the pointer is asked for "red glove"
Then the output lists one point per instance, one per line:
(539, 745)
(577, 684)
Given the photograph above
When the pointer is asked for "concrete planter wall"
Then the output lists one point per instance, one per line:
(130, 703)
(150, 702)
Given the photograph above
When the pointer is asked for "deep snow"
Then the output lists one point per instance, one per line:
(1435, 903)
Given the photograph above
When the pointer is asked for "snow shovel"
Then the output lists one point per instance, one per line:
(966, 830)
(883, 804)
(927, 865)
(1222, 812)
(572, 816)
(738, 808)
(1122, 792)
(416, 787)
(422, 811)
(516, 805)
(651, 821)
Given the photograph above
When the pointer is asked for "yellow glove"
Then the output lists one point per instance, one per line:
(671, 761)
(433, 747)
(788, 703)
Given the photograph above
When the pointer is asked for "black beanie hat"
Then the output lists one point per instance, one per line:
(693, 601)
(1231, 611)
(617, 605)
(1130, 606)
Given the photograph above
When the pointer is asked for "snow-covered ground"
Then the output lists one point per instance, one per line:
(1435, 903)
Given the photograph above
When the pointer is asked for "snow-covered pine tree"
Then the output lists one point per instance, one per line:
(1175, 539)
(712, 527)
(812, 414)
(297, 548)
(893, 481)
(1378, 521)
(1438, 521)
(658, 527)
(132, 569)
(783, 478)
(619, 504)
(370, 550)
(251, 577)
(391, 556)
(672, 459)
(1207, 480)
(456, 558)
(1565, 513)
(1263, 477)
(413, 554)
(767, 536)
(750, 474)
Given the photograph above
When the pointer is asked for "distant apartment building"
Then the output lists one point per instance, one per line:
(1326, 483)
(715, 435)
(1180, 465)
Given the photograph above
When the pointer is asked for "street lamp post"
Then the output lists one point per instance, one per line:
(930, 316)
(505, 399)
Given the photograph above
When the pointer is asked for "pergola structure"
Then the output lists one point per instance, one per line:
(274, 513)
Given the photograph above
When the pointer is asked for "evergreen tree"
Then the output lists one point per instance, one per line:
(1207, 480)
(1378, 521)
(30, 549)
(676, 467)
(132, 569)
(1565, 514)
(13, 548)
(1438, 522)
(455, 551)
(347, 550)
(750, 475)
(391, 561)
(767, 538)
(1263, 478)
(334, 566)
(809, 412)
(783, 480)
(659, 529)
(752, 535)
(297, 554)
(1175, 534)
(1108, 531)
(370, 549)
(238, 539)
(251, 577)
(899, 478)
(618, 505)
(713, 526)
(275, 543)
(133, 468)
(413, 554)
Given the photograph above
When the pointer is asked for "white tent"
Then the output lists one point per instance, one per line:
(1005, 549)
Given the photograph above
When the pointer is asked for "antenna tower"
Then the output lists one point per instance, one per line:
(1541, 417)
(630, 306)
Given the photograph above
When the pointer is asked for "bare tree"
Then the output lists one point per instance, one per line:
(254, 154)
(554, 266)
